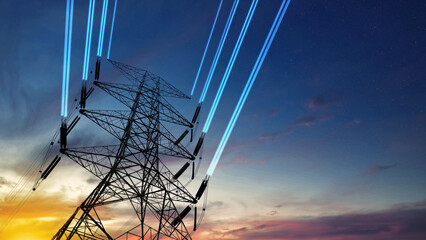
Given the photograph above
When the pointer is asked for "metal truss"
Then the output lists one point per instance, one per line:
(131, 171)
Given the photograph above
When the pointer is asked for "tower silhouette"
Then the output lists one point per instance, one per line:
(132, 171)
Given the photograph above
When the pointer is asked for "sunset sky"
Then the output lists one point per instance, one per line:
(330, 144)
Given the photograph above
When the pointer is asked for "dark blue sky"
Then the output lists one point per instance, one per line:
(336, 115)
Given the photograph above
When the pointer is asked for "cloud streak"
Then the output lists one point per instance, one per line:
(375, 168)
(323, 101)
(5, 183)
(390, 224)
(304, 121)
(309, 120)
(271, 113)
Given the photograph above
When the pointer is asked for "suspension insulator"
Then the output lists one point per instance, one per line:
(181, 216)
(195, 218)
(201, 189)
(182, 170)
(193, 170)
(182, 137)
(51, 166)
(83, 96)
(97, 69)
(63, 137)
(198, 146)
(197, 111)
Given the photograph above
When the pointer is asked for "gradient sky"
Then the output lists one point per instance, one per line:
(330, 143)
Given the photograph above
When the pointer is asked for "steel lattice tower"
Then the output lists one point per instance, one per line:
(132, 170)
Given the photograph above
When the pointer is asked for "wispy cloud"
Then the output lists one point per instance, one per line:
(272, 137)
(389, 224)
(237, 231)
(5, 183)
(355, 121)
(323, 101)
(271, 113)
(317, 102)
(375, 168)
(309, 120)
(304, 121)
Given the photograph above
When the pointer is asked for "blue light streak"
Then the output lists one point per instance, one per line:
(207, 46)
(230, 65)
(112, 28)
(219, 50)
(99, 53)
(102, 28)
(64, 74)
(88, 39)
(249, 85)
(67, 56)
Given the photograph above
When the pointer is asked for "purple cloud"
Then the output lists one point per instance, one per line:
(271, 137)
(236, 231)
(305, 121)
(310, 120)
(375, 168)
(390, 225)
(323, 102)
(271, 113)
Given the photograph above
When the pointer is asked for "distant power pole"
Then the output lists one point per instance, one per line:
(132, 170)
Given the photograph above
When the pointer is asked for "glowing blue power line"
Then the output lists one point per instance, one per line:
(64, 73)
(219, 50)
(67, 57)
(102, 28)
(112, 27)
(104, 24)
(207, 46)
(88, 39)
(248, 86)
(230, 65)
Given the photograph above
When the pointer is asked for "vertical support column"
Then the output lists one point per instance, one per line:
(88, 205)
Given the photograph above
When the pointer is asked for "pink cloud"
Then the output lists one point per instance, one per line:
(272, 137)
(271, 113)
(375, 168)
(323, 101)
(390, 225)
(310, 120)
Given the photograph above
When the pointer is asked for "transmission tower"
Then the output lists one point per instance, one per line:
(132, 170)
